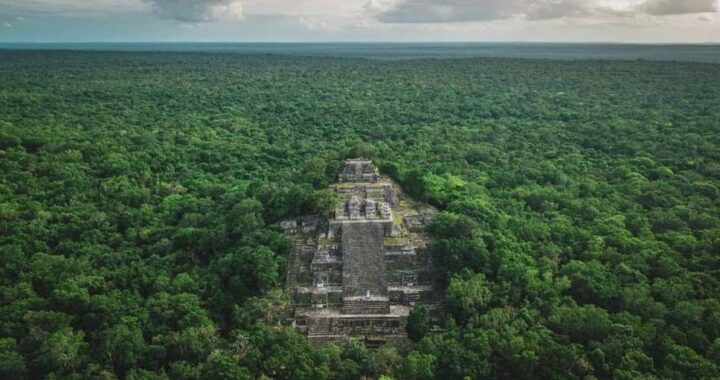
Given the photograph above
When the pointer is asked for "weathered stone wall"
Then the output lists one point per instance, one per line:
(365, 306)
(358, 170)
(353, 326)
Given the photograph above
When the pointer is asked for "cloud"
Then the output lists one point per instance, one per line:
(317, 23)
(437, 11)
(7, 25)
(71, 7)
(433, 11)
(674, 7)
(444, 11)
(556, 9)
(197, 10)
(548, 10)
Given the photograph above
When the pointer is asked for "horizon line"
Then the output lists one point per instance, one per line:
(365, 42)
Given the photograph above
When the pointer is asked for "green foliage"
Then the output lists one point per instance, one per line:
(419, 366)
(386, 361)
(577, 238)
(12, 363)
(418, 323)
(459, 244)
(224, 366)
(468, 295)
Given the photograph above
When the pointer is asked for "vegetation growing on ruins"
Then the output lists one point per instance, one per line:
(579, 232)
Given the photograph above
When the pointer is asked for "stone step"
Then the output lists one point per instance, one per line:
(366, 306)
(319, 326)
(411, 297)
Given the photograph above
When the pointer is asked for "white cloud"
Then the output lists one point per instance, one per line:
(198, 10)
(433, 11)
(305, 8)
(439, 11)
(317, 23)
(7, 25)
(316, 15)
(556, 9)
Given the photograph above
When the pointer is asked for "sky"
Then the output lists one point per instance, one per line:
(640, 21)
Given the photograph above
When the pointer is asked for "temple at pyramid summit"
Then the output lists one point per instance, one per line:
(358, 273)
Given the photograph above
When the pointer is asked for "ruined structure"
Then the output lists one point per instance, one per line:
(360, 272)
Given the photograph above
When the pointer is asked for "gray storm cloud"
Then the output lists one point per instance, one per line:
(439, 11)
(197, 10)
(670, 7)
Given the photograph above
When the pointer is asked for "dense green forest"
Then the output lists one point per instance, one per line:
(579, 235)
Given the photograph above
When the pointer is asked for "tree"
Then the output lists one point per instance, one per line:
(468, 295)
(582, 324)
(458, 245)
(245, 218)
(123, 346)
(12, 363)
(386, 361)
(63, 352)
(419, 366)
(682, 361)
(418, 323)
(248, 271)
(224, 366)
